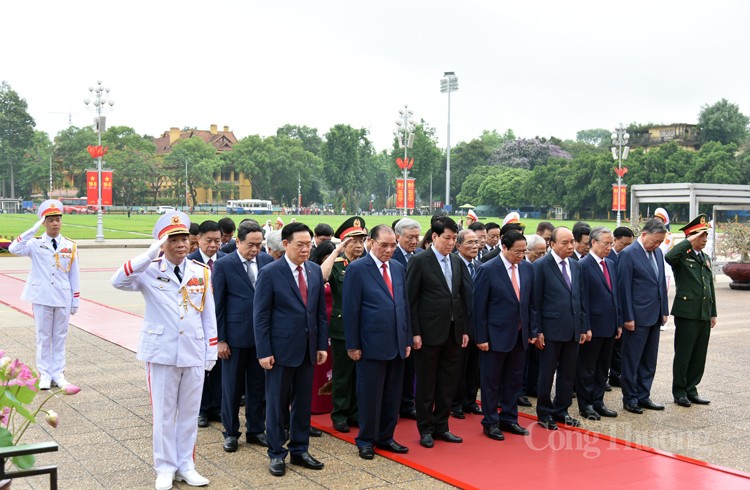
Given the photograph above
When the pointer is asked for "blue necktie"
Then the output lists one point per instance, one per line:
(565, 274)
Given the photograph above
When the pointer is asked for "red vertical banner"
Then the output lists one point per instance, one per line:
(106, 187)
(92, 188)
(410, 193)
(619, 197)
(399, 193)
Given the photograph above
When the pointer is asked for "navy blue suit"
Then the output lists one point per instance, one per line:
(560, 317)
(377, 324)
(211, 396)
(468, 386)
(233, 296)
(615, 365)
(602, 307)
(504, 321)
(292, 333)
(643, 296)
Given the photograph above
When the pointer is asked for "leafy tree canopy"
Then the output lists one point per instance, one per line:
(723, 122)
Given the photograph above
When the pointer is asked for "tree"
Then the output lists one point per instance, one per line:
(347, 152)
(599, 137)
(308, 136)
(526, 153)
(428, 157)
(71, 155)
(465, 159)
(723, 122)
(202, 162)
(35, 171)
(716, 164)
(493, 140)
(16, 132)
(470, 189)
(129, 166)
(504, 188)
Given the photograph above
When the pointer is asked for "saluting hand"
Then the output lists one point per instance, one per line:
(155, 247)
(38, 224)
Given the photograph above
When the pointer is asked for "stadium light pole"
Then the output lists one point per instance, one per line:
(101, 98)
(620, 150)
(449, 83)
(405, 133)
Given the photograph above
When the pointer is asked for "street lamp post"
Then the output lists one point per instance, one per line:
(620, 150)
(448, 84)
(405, 133)
(101, 97)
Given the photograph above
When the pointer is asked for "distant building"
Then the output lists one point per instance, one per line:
(685, 135)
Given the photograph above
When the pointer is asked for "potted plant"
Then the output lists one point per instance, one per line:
(19, 387)
(733, 243)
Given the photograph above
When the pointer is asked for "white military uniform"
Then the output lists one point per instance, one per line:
(53, 288)
(178, 341)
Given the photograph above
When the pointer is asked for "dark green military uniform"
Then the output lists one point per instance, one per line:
(693, 308)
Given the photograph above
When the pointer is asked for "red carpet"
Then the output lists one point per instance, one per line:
(568, 458)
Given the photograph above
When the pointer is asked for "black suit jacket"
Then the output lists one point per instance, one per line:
(432, 303)
(398, 256)
(199, 258)
(487, 256)
(602, 304)
(560, 310)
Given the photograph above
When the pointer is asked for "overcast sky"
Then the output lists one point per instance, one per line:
(547, 68)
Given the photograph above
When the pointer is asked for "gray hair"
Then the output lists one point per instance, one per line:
(597, 232)
(533, 241)
(654, 226)
(273, 241)
(462, 236)
(407, 224)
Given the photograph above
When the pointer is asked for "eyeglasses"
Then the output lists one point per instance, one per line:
(517, 251)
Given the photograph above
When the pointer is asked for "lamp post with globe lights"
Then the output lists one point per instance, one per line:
(98, 99)
(405, 134)
(448, 84)
(620, 151)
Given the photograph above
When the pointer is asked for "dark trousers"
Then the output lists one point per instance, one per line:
(690, 349)
(639, 352)
(241, 373)
(500, 379)
(438, 371)
(407, 388)
(343, 385)
(530, 371)
(557, 357)
(287, 386)
(211, 397)
(594, 358)
(378, 391)
(615, 366)
(468, 383)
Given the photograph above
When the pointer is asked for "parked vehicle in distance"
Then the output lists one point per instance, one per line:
(249, 206)
(77, 205)
(165, 209)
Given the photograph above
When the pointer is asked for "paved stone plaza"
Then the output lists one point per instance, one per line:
(105, 431)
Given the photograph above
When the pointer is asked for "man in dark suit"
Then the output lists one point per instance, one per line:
(378, 339)
(503, 310)
(581, 232)
(493, 238)
(234, 280)
(209, 241)
(439, 325)
(513, 226)
(291, 336)
(643, 296)
(481, 232)
(602, 307)
(559, 329)
(623, 236)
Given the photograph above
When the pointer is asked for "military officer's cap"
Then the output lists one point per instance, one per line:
(699, 224)
(662, 213)
(50, 207)
(173, 223)
(471, 214)
(512, 219)
(354, 226)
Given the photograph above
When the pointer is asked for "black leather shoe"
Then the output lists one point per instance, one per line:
(394, 447)
(306, 461)
(650, 405)
(513, 429)
(448, 436)
(605, 412)
(698, 400)
(202, 421)
(632, 408)
(341, 426)
(277, 467)
(567, 420)
(230, 444)
(258, 439)
(548, 424)
(315, 432)
(366, 452)
(682, 401)
(607, 387)
(409, 415)
(426, 440)
(590, 414)
(523, 401)
(473, 409)
(459, 414)
(494, 432)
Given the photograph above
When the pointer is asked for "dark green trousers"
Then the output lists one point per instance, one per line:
(343, 385)
(690, 348)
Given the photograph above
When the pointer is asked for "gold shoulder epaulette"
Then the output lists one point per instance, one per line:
(340, 259)
(200, 263)
(71, 241)
(157, 259)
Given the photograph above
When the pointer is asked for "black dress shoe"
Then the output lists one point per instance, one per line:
(548, 424)
(590, 413)
(341, 426)
(523, 401)
(448, 436)
(459, 414)
(277, 467)
(426, 440)
(650, 405)
(230, 444)
(409, 415)
(605, 412)
(513, 428)
(698, 400)
(567, 420)
(366, 452)
(494, 432)
(632, 408)
(202, 421)
(682, 401)
(473, 409)
(607, 387)
(258, 439)
(306, 461)
(315, 432)
(394, 447)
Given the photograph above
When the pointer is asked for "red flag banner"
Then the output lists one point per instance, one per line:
(106, 187)
(410, 193)
(619, 197)
(92, 188)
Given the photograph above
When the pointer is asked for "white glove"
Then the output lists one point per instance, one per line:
(38, 224)
(153, 250)
(73, 310)
(210, 365)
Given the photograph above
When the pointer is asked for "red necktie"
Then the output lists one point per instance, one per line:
(302, 285)
(211, 264)
(514, 280)
(606, 275)
(387, 278)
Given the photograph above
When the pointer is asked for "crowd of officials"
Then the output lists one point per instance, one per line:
(418, 324)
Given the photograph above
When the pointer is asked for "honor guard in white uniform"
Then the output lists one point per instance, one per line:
(177, 343)
(52, 288)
